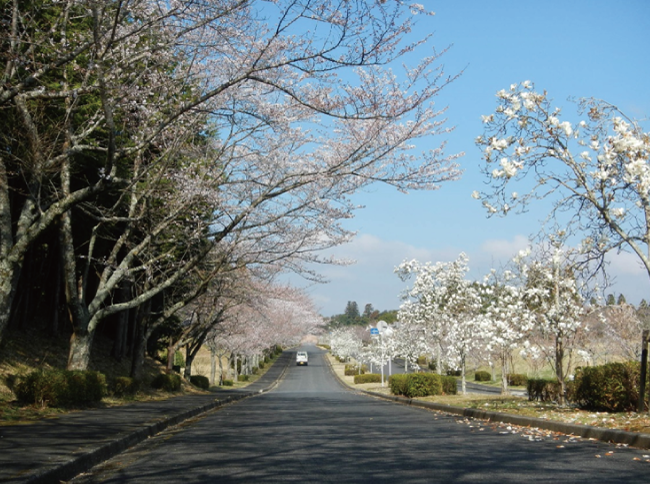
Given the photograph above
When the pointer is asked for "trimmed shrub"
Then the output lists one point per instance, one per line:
(453, 372)
(433, 366)
(613, 387)
(351, 370)
(200, 381)
(422, 361)
(227, 383)
(482, 376)
(61, 388)
(125, 386)
(261, 364)
(416, 384)
(169, 382)
(397, 383)
(543, 390)
(243, 377)
(367, 378)
(517, 380)
(449, 385)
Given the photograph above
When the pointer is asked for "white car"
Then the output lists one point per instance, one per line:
(302, 358)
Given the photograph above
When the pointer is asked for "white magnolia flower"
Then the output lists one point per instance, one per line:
(566, 126)
(618, 212)
(509, 169)
(476, 195)
(487, 119)
(500, 144)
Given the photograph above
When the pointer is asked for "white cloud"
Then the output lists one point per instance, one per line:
(625, 263)
(504, 249)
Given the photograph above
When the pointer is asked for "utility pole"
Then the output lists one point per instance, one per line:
(644, 368)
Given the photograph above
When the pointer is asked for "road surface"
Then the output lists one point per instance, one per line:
(311, 429)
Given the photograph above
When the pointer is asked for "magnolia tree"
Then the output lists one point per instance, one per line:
(506, 319)
(593, 167)
(410, 339)
(420, 310)
(345, 343)
(443, 295)
(553, 294)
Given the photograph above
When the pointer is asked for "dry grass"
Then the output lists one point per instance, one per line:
(630, 421)
(23, 352)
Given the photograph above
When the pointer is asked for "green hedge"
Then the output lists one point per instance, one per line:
(169, 382)
(543, 390)
(367, 378)
(200, 381)
(124, 386)
(227, 383)
(517, 380)
(61, 388)
(482, 376)
(243, 377)
(613, 387)
(416, 384)
(449, 385)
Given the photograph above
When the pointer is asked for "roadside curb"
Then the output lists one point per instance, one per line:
(634, 439)
(86, 460)
(91, 458)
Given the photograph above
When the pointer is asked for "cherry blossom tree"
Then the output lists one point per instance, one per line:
(593, 167)
(265, 315)
(265, 115)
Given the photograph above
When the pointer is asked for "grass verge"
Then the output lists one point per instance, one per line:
(629, 421)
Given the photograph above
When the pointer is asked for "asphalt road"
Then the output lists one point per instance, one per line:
(312, 429)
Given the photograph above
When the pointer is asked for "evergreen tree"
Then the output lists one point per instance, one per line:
(368, 310)
(352, 310)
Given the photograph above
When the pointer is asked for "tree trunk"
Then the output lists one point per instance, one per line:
(80, 348)
(559, 369)
(189, 359)
(139, 349)
(504, 374)
(213, 366)
(171, 352)
(463, 381)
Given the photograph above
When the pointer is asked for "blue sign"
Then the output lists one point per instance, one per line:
(374, 331)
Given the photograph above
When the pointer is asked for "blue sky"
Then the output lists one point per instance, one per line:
(581, 48)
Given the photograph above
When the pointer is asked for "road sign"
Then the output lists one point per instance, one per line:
(381, 326)
(374, 331)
